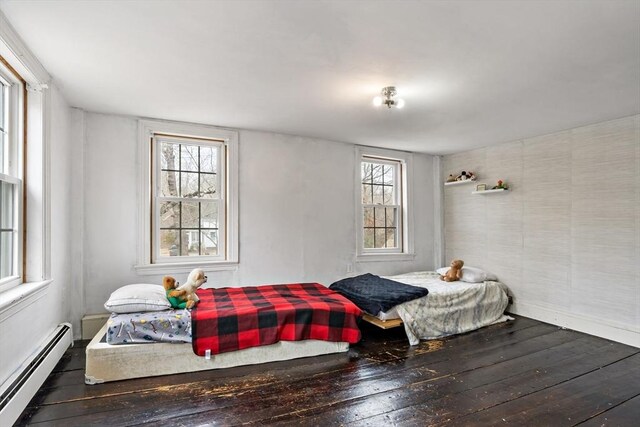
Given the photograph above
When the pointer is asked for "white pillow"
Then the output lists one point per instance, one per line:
(136, 298)
(471, 274)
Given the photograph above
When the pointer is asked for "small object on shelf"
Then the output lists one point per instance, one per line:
(464, 176)
(481, 187)
(501, 185)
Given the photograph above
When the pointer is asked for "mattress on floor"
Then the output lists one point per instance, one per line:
(172, 326)
(106, 362)
(449, 308)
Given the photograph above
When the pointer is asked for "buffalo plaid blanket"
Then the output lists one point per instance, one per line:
(229, 319)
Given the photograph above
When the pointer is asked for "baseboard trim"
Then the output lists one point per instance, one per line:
(92, 323)
(18, 390)
(577, 323)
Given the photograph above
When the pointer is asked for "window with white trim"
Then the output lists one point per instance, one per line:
(189, 203)
(11, 116)
(383, 203)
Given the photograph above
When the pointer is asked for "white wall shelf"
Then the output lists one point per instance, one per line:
(466, 181)
(498, 190)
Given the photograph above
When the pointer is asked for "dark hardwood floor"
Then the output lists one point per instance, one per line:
(517, 373)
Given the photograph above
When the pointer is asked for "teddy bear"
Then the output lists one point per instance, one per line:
(455, 272)
(174, 297)
(188, 290)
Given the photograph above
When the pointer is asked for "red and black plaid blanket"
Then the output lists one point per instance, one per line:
(229, 319)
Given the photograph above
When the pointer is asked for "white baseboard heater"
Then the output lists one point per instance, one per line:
(24, 384)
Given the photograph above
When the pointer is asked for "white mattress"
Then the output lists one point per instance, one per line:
(107, 362)
(449, 308)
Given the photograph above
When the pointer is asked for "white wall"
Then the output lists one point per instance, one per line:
(62, 294)
(26, 323)
(297, 210)
(566, 238)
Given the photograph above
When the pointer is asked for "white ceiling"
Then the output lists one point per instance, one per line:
(473, 73)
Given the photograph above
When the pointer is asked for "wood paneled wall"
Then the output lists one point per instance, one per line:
(566, 238)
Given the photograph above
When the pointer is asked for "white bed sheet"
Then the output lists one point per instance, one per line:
(449, 308)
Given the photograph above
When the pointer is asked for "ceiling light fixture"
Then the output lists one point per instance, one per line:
(387, 98)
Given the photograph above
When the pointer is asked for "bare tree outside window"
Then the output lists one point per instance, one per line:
(189, 198)
(380, 207)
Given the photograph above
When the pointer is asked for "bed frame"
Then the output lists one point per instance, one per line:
(107, 362)
(384, 324)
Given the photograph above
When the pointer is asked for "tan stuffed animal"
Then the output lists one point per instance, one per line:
(176, 298)
(188, 290)
(455, 272)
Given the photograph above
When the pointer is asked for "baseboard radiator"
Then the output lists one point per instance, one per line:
(24, 384)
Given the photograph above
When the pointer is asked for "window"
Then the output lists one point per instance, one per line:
(383, 204)
(10, 178)
(189, 202)
(381, 208)
(191, 184)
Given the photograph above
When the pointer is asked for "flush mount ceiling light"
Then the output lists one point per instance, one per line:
(388, 98)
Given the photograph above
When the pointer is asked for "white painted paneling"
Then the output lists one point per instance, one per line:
(565, 239)
(297, 219)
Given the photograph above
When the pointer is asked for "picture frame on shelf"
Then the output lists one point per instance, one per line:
(481, 187)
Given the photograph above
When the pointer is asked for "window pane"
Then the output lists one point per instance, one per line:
(379, 214)
(380, 237)
(368, 238)
(169, 156)
(6, 254)
(366, 172)
(190, 214)
(209, 159)
(190, 243)
(189, 185)
(367, 194)
(6, 205)
(189, 158)
(209, 239)
(209, 212)
(388, 174)
(377, 194)
(368, 217)
(208, 186)
(376, 173)
(391, 238)
(169, 243)
(169, 184)
(170, 215)
(387, 195)
(391, 217)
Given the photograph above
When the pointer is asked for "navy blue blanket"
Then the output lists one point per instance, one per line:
(374, 294)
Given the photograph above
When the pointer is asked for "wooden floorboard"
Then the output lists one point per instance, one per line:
(522, 373)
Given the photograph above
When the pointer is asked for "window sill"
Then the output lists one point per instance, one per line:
(384, 257)
(184, 267)
(21, 295)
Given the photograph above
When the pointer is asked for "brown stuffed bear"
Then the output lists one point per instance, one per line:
(176, 298)
(455, 272)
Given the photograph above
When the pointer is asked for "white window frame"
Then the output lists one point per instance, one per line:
(14, 175)
(404, 160)
(148, 262)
